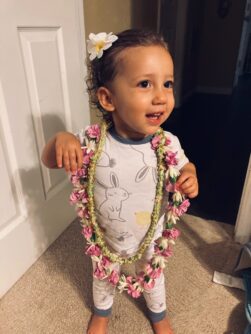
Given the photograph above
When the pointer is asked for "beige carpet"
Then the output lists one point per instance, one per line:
(54, 296)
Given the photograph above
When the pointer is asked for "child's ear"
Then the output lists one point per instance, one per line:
(105, 98)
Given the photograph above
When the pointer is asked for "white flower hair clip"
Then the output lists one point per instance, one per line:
(97, 43)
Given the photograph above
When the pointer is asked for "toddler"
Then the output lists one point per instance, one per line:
(130, 178)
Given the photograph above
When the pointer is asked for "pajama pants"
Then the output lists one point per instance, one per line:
(103, 294)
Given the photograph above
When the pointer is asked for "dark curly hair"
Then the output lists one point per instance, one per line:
(103, 70)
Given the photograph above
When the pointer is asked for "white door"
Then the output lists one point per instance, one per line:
(41, 91)
(243, 221)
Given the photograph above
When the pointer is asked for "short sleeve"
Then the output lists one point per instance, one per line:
(80, 134)
(176, 147)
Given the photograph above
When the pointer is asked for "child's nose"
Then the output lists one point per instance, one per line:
(160, 96)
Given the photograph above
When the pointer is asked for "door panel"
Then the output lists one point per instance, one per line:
(41, 92)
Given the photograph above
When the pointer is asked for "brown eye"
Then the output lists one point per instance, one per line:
(168, 84)
(144, 84)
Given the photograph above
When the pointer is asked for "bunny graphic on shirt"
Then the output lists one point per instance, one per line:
(111, 207)
(147, 167)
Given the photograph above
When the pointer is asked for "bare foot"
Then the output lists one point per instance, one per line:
(162, 327)
(97, 325)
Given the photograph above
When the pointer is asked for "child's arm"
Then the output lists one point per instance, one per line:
(63, 150)
(187, 181)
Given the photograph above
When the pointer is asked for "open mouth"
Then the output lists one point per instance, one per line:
(155, 115)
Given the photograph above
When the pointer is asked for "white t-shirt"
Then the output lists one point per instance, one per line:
(124, 190)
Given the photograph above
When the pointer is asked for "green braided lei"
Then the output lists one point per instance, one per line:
(82, 197)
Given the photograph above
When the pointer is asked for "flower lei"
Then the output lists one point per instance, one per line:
(83, 198)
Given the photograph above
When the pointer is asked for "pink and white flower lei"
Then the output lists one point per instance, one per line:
(177, 205)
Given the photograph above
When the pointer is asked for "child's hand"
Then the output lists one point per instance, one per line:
(187, 181)
(68, 152)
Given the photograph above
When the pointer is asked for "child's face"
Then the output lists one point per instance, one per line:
(142, 91)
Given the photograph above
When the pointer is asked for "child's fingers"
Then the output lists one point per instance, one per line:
(59, 157)
(73, 161)
(188, 189)
(182, 178)
(66, 161)
(79, 157)
(186, 184)
(192, 194)
(191, 189)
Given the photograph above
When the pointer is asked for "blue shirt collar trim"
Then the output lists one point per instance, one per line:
(128, 141)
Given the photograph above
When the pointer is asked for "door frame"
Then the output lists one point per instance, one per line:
(246, 31)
